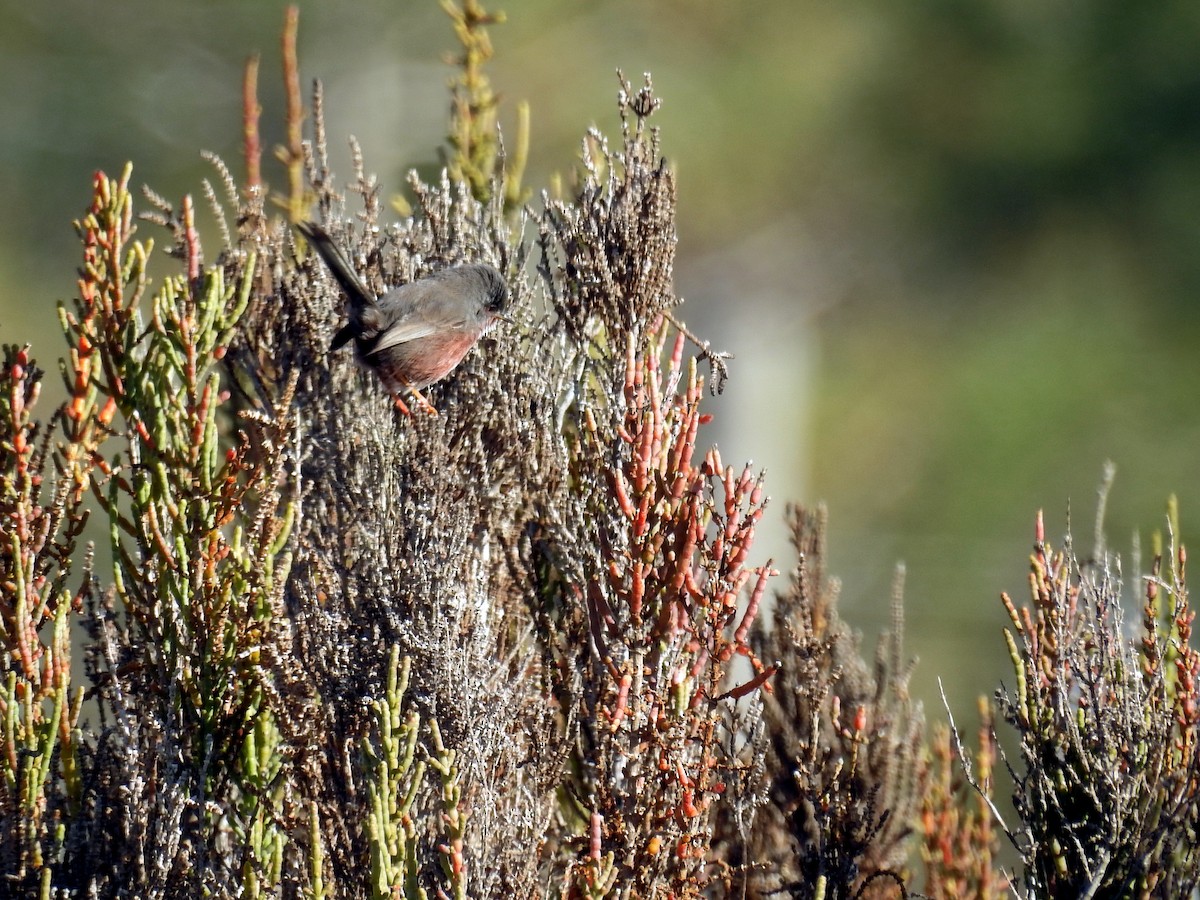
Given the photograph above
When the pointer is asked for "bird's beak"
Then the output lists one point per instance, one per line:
(504, 317)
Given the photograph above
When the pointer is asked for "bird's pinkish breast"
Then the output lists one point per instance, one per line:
(419, 363)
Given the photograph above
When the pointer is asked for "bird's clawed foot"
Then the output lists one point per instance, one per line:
(421, 403)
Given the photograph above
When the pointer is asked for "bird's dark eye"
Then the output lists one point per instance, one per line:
(498, 301)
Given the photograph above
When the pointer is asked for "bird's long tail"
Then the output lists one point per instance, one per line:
(360, 296)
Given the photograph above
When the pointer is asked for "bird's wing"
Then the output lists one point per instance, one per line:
(416, 310)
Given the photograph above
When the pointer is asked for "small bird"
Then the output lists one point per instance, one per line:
(416, 333)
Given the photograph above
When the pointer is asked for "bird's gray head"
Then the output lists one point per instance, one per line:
(493, 288)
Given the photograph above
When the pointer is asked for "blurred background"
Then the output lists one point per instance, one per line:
(954, 245)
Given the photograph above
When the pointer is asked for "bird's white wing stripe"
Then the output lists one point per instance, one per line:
(403, 333)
